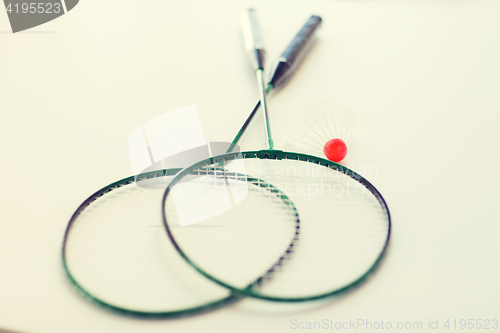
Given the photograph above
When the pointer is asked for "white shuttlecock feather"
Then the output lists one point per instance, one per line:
(317, 127)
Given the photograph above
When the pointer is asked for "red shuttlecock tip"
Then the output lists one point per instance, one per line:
(335, 150)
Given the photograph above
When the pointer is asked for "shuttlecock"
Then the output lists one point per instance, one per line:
(321, 128)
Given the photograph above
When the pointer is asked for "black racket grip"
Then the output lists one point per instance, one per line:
(300, 40)
(293, 52)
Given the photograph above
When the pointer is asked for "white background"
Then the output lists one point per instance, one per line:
(423, 78)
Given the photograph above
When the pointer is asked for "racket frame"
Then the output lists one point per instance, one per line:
(275, 154)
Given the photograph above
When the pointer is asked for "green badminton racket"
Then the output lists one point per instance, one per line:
(344, 230)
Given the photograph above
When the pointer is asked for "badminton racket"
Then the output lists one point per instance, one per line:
(345, 222)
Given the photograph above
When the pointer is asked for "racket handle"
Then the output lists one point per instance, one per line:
(290, 58)
(253, 38)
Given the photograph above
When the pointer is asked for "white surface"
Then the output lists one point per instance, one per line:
(422, 77)
(186, 135)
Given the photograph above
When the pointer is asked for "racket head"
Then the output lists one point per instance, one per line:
(114, 257)
(76, 243)
(369, 234)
